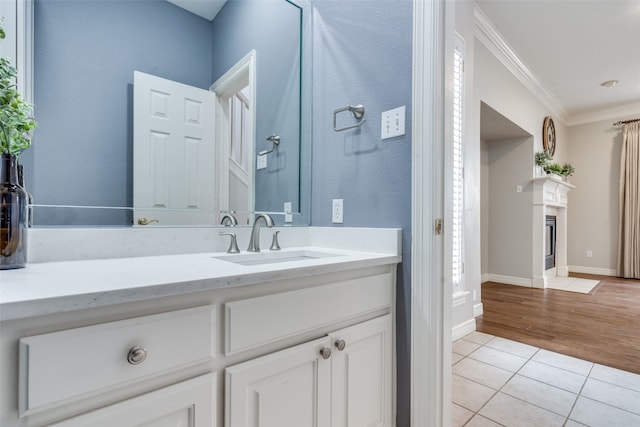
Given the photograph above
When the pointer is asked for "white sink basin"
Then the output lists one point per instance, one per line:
(273, 257)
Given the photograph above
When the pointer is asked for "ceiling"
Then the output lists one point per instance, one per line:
(570, 47)
(208, 9)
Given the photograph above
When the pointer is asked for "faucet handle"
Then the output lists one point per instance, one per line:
(275, 246)
(233, 244)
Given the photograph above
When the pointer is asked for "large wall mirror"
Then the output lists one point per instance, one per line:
(81, 167)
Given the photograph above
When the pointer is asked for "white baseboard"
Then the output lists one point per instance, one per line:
(463, 329)
(508, 280)
(478, 309)
(484, 278)
(592, 270)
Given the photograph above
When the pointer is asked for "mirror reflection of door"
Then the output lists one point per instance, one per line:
(240, 146)
(173, 153)
(235, 130)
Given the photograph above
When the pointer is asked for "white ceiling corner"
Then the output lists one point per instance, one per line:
(488, 34)
(207, 9)
(561, 50)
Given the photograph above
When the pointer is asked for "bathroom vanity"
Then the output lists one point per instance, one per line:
(302, 336)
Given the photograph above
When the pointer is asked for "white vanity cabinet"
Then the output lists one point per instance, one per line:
(189, 403)
(288, 347)
(343, 379)
(59, 367)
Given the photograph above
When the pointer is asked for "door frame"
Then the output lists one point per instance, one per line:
(433, 31)
(243, 73)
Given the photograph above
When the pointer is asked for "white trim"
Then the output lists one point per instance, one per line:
(430, 295)
(593, 270)
(478, 310)
(606, 114)
(485, 278)
(242, 73)
(24, 40)
(488, 35)
(17, 18)
(459, 298)
(463, 329)
(509, 280)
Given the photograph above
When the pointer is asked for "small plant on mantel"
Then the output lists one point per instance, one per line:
(544, 160)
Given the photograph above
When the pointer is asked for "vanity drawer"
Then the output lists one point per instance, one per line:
(253, 322)
(59, 366)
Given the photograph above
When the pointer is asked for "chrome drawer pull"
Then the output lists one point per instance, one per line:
(137, 354)
(325, 352)
(340, 345)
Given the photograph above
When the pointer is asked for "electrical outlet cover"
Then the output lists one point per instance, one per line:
(337, 211)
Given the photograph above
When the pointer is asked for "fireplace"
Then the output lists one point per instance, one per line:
(549, 229)
(550, 242)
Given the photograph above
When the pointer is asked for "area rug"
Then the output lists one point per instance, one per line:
(573, 284)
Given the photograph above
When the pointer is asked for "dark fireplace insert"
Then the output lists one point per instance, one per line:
(550, 242)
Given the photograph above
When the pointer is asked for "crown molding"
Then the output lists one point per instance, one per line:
(488, 35)
(615, 113)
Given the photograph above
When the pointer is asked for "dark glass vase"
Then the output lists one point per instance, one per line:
(13, 216)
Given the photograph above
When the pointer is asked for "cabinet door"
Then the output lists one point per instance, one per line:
(362, 386)
(287, 388)
(190, 403)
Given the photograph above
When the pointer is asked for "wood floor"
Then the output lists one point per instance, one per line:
(602, 327)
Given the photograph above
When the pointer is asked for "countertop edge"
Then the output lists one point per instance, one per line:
(20, 309)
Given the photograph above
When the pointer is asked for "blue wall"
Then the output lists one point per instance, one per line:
(363, 55)
(85, 55)
(272, 29)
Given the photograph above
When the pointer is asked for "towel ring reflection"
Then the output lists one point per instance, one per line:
(358, 113)
(275, 140)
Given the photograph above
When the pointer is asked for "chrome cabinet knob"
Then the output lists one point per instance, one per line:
(340, 345)
(136, 355)
(325, 352)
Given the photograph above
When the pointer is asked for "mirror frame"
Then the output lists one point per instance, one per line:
(24, 59)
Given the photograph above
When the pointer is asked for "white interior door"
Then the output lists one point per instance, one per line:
(173, 153)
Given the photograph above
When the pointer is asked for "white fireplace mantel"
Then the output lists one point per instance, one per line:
(549, 197)
(550, 190)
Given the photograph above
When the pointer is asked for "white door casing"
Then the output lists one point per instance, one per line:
(433, 30)
(173, 152)
(240, 77)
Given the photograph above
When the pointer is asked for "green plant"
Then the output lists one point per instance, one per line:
(567, 169)
(554, 168)
(16, 119)
(543, 158)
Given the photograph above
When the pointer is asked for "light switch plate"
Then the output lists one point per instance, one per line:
(393, 123)
(262, 162)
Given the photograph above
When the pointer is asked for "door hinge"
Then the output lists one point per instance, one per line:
(438, 226)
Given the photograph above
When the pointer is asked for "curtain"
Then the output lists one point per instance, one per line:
(629, 226)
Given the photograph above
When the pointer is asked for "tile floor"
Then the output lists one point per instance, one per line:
(498, 382)
(573, 284)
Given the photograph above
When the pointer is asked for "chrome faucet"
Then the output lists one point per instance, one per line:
(229, 220)
(254, 240)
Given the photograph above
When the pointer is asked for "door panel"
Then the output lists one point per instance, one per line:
(361, 375)
(287, 388)
(173, 152)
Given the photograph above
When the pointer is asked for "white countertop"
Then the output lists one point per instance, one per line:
(61, 286)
